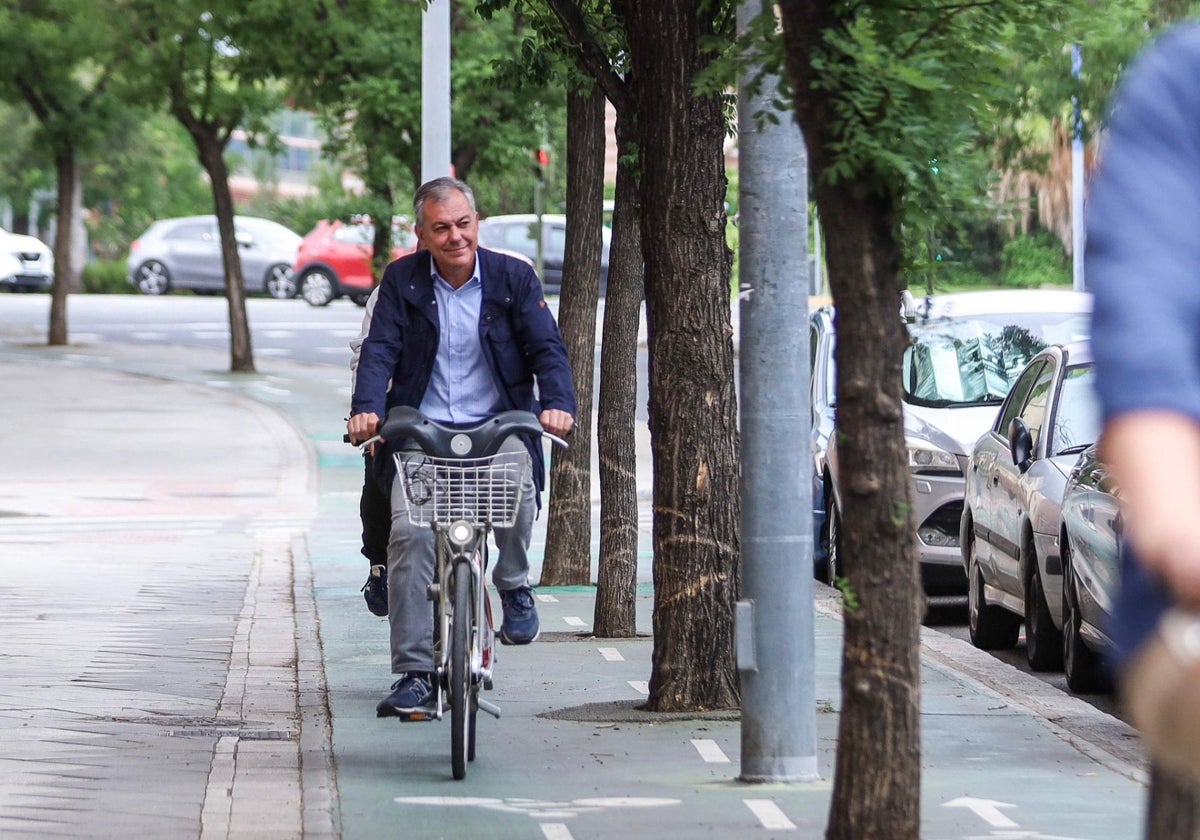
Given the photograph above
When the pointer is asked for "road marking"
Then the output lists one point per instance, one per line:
(769, 814)
(556, 831)
(611, 654)
(710, 751)
(547, 599)
(987, 810)
(641, 686)
(574, 621)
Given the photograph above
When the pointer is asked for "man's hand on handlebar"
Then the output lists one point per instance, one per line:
(362, 427)
(556, 421)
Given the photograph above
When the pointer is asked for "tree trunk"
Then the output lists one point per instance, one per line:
(569, 527)
(693, 410)
(212, 159)
(876, 791)
(1173, 812)
(616, 585)
(877, 781)
(68, 182)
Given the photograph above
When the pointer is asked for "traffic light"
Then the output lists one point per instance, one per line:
(541, 158)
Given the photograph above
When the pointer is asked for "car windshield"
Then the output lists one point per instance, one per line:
(973, 360)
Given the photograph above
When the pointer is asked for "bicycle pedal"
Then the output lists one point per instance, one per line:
(417, 717)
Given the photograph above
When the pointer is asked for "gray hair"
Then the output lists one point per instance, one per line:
(439, 190)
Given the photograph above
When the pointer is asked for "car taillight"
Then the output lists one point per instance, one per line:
(135, 244)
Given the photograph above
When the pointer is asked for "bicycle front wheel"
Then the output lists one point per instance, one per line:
(460, 672)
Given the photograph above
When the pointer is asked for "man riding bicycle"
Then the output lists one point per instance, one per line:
(460, 333)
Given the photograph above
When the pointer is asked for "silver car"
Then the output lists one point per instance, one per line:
(518, 233)
(965, 351)
(1012, 514)
(185, 253)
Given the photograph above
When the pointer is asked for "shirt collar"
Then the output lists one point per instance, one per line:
(437, 278)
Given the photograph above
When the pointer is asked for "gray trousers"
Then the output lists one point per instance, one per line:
(411, 568)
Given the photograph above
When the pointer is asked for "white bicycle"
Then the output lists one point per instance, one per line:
(462, 487)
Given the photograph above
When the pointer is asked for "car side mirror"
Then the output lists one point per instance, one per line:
(1020, 444)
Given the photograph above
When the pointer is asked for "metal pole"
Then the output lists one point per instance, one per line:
(435, 91)
(775, 645)
(1077, 227)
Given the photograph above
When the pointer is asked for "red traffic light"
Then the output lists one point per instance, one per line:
(542, 157)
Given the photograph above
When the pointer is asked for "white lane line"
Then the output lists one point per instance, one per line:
(611, 654)
(710, 751)
(556, 831)
(547, 599)
(640, 686)
(769, 814)
(574, 621)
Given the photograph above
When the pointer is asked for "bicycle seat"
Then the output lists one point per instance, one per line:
(442, 441)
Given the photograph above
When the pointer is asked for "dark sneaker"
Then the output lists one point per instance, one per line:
(375, 591)
(520, 626)
(412, 694)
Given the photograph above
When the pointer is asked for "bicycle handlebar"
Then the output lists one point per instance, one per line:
(477, 441)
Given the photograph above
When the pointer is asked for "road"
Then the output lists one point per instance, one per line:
(952, 622)
(282, 329)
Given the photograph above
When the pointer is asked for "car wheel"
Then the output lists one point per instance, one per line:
(280, 284)
(991, 627)
(1083, 666)
(1043, 643)
(360, 299)
(832, 568)
(152, 278)
(317, 287)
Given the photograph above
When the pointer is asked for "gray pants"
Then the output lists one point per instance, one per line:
(410, 570)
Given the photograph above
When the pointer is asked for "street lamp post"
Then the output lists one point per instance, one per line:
(435, 90)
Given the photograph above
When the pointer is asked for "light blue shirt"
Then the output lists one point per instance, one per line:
(461, 389)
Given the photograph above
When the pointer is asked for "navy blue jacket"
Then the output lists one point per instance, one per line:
(520, 340)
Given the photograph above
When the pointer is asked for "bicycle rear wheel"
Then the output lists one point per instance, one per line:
(460, 673)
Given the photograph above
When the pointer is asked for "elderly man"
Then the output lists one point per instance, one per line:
(461, 333)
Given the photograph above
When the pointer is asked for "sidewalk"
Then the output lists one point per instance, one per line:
(187, 653)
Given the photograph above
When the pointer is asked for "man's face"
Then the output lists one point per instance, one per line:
(450, 230)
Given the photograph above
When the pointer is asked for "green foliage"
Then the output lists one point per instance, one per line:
(105, 277)
(149, 173)
(1033, 261)
(850, 602)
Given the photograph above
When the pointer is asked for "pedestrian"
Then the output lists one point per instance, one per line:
(460, 333)
(374, 502)
(1143, 266)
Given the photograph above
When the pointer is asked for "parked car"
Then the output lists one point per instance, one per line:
(1090, 542)
(965, 351)
(185, 253)
(1012, 512)
(335, 259)
(26, 263)
(518, 233)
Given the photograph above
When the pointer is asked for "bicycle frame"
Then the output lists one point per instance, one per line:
(463, 486)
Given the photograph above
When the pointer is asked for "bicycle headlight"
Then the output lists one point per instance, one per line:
(460, 533)
(925, 457)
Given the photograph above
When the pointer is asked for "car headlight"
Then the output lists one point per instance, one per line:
(925, 457)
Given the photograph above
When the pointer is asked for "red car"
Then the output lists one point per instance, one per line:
(335, 260)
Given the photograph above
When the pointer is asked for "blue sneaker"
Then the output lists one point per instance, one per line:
(375, 591)
(520, 626)
(412, 694)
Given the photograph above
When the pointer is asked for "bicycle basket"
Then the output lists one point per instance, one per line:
(440, 491)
